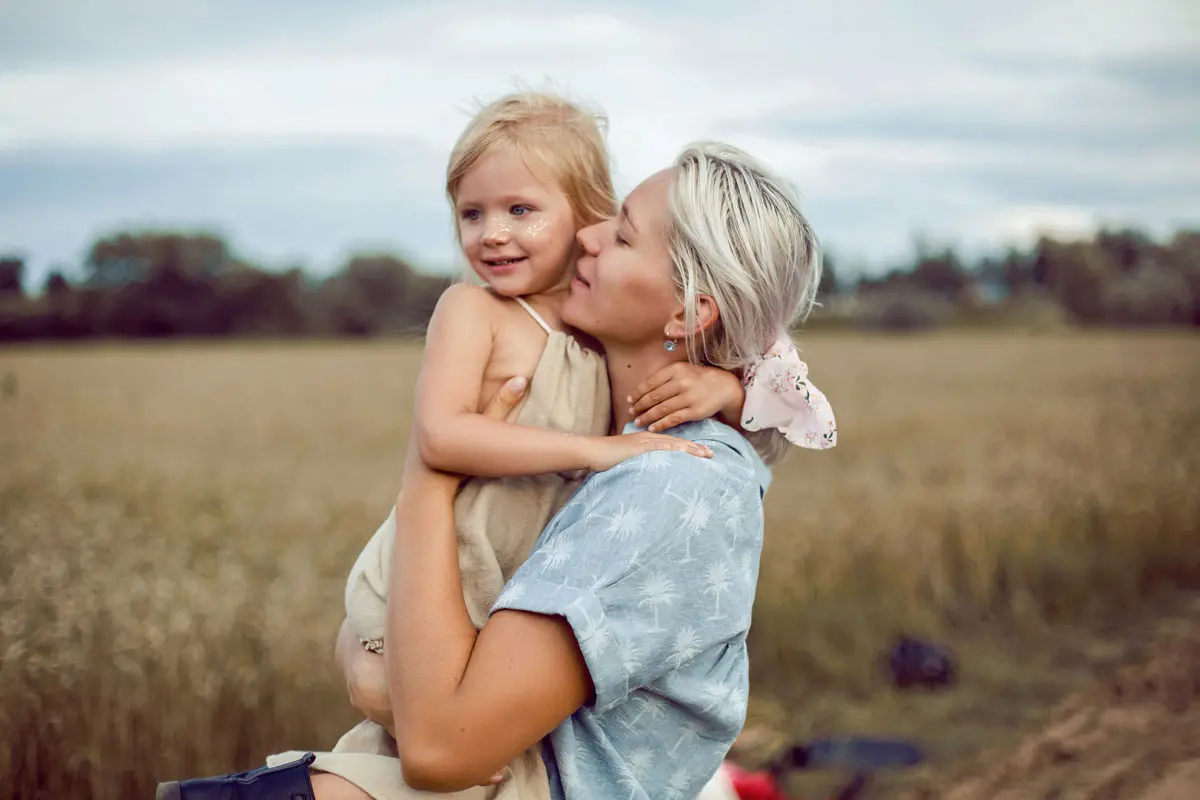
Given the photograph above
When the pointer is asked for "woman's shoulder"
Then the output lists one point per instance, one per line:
(735, 462)
(662, 488)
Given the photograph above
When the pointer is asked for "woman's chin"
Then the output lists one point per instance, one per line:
(572, 311)
(567, 309)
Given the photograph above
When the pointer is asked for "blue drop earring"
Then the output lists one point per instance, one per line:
(669, 345)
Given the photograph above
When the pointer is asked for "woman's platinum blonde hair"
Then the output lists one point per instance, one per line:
(736, 234)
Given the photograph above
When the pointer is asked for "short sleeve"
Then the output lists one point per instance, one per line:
(653, 563)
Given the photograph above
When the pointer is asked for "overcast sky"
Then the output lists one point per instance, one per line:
(304, 130)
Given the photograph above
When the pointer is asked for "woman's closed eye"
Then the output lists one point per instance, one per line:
(620, 239)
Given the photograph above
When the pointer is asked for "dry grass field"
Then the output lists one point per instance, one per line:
(176, 522)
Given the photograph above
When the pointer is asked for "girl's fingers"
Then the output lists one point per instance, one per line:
(661, 441)
(644, 401)
(658, 411)
(660, 378)
(687, 446)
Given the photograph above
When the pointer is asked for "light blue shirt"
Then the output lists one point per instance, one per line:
(654, 564)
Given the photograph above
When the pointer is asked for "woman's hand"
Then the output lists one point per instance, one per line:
(685, 392)
(366, 679)
(366, 683)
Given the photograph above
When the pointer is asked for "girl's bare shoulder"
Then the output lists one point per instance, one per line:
(516, 337)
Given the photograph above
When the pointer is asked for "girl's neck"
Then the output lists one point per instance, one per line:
(628, 367)
(548, 304)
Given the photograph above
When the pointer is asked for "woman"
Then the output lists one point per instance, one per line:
(620, 643)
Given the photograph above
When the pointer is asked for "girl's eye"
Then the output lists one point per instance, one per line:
(520, 211)
(471, 214)
(621, 240)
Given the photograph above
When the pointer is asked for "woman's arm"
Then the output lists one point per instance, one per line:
(365, 674)
(465, 703)
(451, 435)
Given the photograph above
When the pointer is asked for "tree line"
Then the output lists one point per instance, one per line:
(142, 284)
(176, 284)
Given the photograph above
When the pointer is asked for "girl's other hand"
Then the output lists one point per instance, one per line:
(684, 392)
(605, 452)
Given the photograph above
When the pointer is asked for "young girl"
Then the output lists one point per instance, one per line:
(526, 175)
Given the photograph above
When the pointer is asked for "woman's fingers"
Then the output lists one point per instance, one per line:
(506, 399)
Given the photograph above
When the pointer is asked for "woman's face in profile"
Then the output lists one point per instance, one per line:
(624, 291)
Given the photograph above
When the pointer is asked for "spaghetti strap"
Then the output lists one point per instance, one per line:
(536, 317)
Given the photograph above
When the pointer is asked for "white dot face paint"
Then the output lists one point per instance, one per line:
(536, 228)
(499, 228)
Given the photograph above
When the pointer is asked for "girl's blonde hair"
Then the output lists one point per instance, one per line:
(736, 233)
(552, 134)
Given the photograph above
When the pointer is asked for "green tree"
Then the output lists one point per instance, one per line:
(127, 257)
(12, 273)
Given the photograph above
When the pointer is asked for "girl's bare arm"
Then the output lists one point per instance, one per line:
(451, 435)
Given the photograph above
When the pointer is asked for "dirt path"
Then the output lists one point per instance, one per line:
(1133, 737)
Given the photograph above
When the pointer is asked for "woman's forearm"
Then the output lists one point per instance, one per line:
(427, 618)
(456, 724)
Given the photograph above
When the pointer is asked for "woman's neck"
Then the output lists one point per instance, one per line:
(628, 367)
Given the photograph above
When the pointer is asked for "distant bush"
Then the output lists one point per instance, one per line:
(175, 284)
(904, 310)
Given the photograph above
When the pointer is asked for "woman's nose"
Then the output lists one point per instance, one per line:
(589, 240)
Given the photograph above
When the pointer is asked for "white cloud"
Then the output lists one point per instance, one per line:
(1022, 225)
(1025, 80)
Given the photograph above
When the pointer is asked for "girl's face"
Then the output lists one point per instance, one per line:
(624, 291)
(516, 230)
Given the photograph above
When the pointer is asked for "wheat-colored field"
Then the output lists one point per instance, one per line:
(178, 521)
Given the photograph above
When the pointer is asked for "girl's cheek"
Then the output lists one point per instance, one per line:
(536, 229)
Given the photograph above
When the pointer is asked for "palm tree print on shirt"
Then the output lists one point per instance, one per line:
(657, 590)
(635, 767)
(718, 580)
(695, 517)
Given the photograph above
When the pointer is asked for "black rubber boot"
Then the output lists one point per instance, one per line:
(285, 782)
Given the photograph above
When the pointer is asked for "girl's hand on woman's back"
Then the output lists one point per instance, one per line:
(605, 452)
(685, 392)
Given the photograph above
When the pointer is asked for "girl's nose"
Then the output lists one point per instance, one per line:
(497, 232)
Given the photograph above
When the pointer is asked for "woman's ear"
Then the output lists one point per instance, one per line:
(707, 315)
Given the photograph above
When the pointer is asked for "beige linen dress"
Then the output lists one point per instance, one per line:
(497, 520)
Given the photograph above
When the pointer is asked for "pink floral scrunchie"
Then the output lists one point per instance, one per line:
(779, 395)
